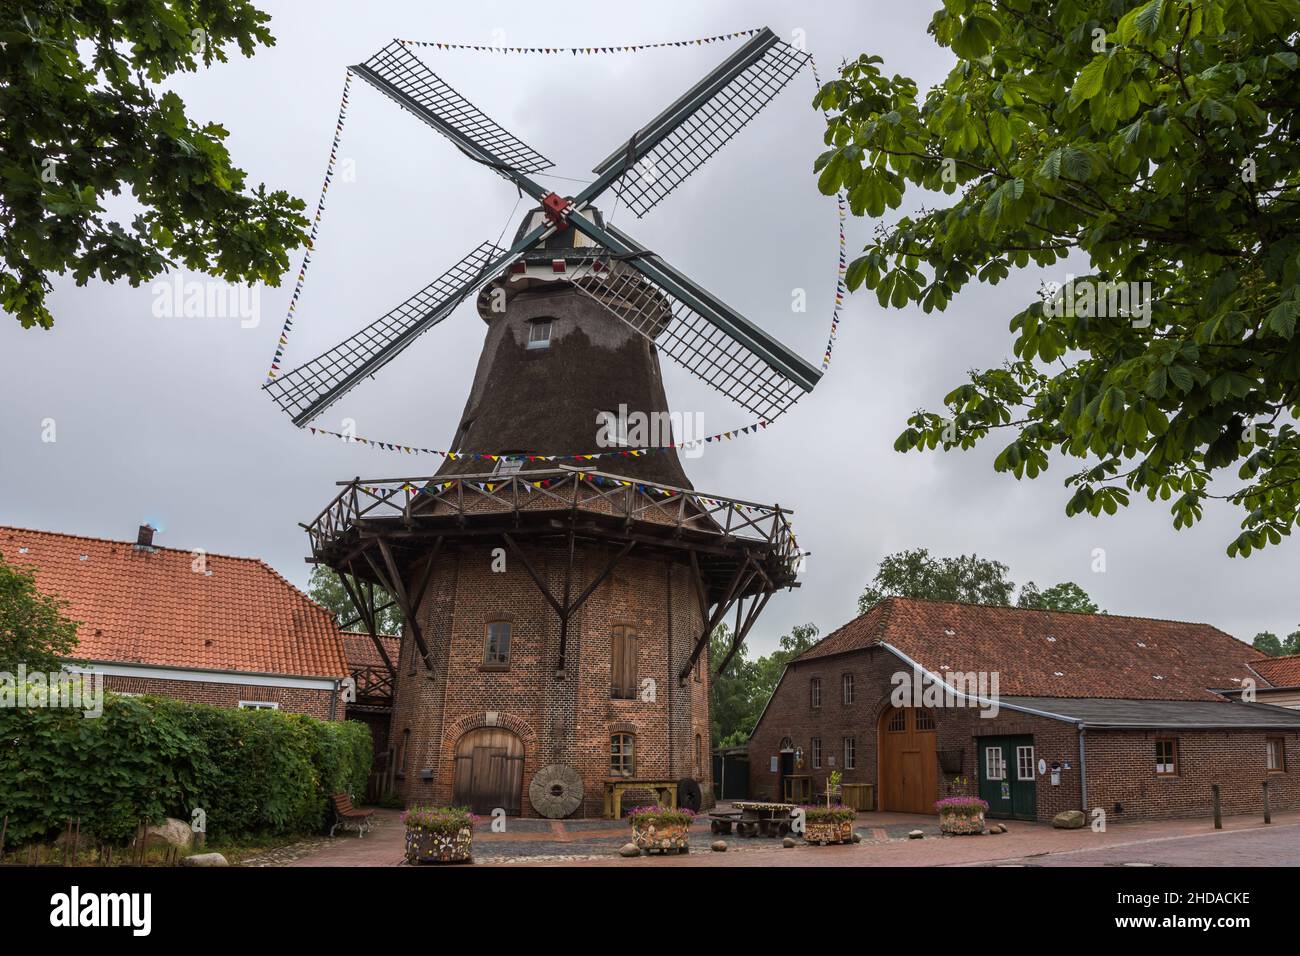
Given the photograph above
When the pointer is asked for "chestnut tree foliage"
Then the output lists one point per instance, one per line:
(1150, 142)
(82, 118)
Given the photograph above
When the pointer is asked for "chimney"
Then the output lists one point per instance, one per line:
(144, 538)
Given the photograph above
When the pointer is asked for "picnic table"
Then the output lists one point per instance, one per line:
(761, 818)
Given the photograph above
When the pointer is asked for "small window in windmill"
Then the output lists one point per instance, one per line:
(507, 466)
(539, 334)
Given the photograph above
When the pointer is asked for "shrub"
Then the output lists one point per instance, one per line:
(445, 820)
(252, 772)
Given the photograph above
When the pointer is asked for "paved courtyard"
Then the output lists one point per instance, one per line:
(1244, 841)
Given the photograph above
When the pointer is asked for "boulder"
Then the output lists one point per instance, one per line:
(916, 835)
(170, 833)
(788, 842)
(1069, 820)
(205, 859)
(718, 846)
(629, 850)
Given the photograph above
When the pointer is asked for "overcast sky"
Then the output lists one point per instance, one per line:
(162, 419)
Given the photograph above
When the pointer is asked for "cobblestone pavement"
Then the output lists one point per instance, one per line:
(1245, 841)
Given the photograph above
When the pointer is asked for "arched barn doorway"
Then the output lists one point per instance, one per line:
(489, 771)
(909, 762)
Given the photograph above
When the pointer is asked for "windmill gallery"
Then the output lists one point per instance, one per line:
(531, 684)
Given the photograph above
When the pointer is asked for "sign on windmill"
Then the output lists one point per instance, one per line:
(683, 320)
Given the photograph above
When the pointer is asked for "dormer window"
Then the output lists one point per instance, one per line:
(539, 334)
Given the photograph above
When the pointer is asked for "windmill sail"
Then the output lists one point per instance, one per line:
(694, 328)
(403, 77)
(308, 390)
(683, 137)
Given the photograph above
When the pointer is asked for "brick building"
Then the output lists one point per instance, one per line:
(1035, 711)
(202, 627)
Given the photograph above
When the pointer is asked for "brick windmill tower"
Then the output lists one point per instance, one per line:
(559, 609)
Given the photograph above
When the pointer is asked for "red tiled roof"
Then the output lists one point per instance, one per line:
(1053, 653)
(151, 607)
(1279, 671)
(360, 649)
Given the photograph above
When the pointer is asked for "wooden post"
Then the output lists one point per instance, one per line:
(1268, 817)
(1218, 812)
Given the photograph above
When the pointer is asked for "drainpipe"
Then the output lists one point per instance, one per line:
(1083, 768)
(334, 701)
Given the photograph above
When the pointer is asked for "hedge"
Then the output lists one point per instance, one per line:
(252, 772)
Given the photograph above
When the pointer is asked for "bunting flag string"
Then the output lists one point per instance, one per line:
(841, 286)
(526, 457)
(582, 50)
(283, 341)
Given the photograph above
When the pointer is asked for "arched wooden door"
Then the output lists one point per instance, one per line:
(489, 771)
(909, 763)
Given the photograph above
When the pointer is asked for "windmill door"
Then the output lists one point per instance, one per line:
(489, 771)
(1007, 774)
(909, 760)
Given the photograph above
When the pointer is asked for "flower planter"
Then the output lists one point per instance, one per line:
(429, 846)
(661, 830)
(834, 831)
(439, 835)
(663, 838)
(962, 823)
(961, 815)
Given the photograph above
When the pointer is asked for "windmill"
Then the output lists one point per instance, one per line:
(558, 617)
(685, 321)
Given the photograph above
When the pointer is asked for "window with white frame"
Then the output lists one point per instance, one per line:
(995, 767)
(1166, 757)
(539, 334)
(817, 753)
(258, 705)
(850, 753)
(815, 692)
(1276, 754)
(846, 688)
(1025, 763)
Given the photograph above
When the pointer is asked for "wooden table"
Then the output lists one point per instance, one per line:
(766, 819)
(665, 792)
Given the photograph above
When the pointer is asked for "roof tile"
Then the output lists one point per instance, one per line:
(152, 606)
(1053, 653)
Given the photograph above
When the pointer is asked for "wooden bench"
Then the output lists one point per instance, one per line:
(721, 821)
(349, 817)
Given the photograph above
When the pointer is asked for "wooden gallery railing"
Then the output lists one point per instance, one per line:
(729, 519)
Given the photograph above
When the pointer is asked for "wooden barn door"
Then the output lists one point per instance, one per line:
(909, 762)
(489, 771)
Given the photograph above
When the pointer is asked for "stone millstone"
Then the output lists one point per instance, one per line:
(718, 846)
(629, 850)
(916, 835)
(555, 791)
(788, 842)
(1069, 820)
(205, 859)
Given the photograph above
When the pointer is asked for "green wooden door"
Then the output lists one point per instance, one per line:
(1006, 776)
